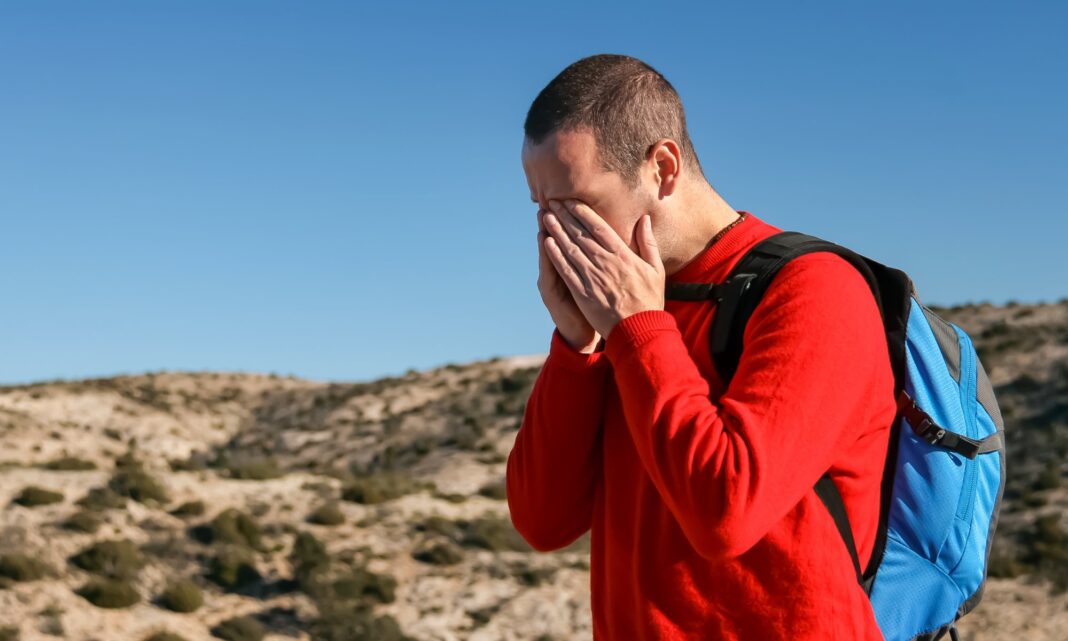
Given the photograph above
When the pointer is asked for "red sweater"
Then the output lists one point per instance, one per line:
(699, 501)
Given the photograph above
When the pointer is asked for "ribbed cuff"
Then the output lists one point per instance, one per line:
(633, 331)
(563, 355)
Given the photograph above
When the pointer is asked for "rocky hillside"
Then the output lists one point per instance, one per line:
(204, 506)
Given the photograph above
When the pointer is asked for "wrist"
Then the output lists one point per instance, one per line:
(563, 354)
(594, 346)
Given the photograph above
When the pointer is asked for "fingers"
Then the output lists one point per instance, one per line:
(564, 268)
(601, 232)
(543, 259)
(578, 233)
(647, 247)
(565, 236)
(545, 264)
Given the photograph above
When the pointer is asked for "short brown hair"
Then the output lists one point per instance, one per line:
(627, 104)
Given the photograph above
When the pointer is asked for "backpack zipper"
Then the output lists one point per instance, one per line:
(968, 406)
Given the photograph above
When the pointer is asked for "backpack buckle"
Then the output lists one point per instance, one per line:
(930, 431)
(920, 421)
(924, 427)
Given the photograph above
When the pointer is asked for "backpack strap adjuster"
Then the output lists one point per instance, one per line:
(926, 428)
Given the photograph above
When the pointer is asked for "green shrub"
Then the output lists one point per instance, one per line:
(510, 384)
(109, 593)
(397, 456)
(439, 553)
(50, 622)
(533, 577)
(380, 487)
(1050, 477)
(21, 567)
(491, 458)
(1047, 550)
(362, 584)
(119, 559)
(342, 622)
(32, 496)
(83, 521)
(481, 616)
(495, 490)
(1004, 565)
(233, 569)
(196, 462)
(102, 498)
(69, 464)
(467, 434)
(437, 524)
(182, 595)
(134, 482)
(1034, 499)
(239, 629)
(451, 497)
(164, 636)
(128, 460)
(254, 469)
(328, 514)
(308, 558)
(189, 508)
(1048, 529)
(312, 567)
(231, 526)
(489, 532)
(492, 533)
(308, 551)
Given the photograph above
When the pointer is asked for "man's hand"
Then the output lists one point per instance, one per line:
(607, 280)
(557, 298)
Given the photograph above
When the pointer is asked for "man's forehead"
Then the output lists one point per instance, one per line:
(564, 163)
(573, 147)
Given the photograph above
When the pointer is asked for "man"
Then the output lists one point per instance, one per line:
(699, 500)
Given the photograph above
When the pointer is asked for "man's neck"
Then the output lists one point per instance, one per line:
(704, 214)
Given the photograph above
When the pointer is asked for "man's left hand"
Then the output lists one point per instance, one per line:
(607, 279)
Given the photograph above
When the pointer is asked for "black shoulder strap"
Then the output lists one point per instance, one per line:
(758, 268)
(737, 297)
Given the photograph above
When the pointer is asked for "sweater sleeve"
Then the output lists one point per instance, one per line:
(554, 465)
(729, 470)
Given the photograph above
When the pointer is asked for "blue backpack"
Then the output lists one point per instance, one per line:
(945, 469)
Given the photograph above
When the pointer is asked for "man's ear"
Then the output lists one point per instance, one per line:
(665, 164)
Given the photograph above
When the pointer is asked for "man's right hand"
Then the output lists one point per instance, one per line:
(573, 326)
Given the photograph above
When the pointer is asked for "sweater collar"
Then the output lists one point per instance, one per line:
(702, 264)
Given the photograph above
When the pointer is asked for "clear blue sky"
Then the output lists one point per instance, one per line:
(334, 191)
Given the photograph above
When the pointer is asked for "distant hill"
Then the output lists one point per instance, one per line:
(240, 505)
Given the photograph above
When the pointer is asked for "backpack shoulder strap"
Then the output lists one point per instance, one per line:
(738, 297)
(750, 279)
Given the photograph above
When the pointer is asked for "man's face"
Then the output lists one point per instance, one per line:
(565, 165)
